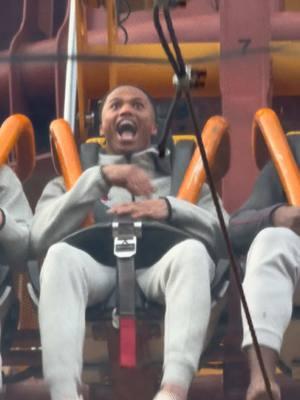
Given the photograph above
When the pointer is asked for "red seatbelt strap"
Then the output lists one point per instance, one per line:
(128, 342)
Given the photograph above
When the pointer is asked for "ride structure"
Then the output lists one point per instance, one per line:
(243, 56)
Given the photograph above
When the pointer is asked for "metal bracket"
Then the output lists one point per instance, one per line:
(193, 78)
(125, 233)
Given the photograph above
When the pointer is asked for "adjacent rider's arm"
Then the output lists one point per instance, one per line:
(16, 218)
(200, 221)
(257, 213)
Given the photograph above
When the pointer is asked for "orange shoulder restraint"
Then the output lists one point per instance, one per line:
(17, 133)
(215, 131)
(267, 132)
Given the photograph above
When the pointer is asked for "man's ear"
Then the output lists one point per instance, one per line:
(154, 130)
(101, 132)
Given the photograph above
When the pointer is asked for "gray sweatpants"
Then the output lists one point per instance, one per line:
(271, 284)
(71, 280)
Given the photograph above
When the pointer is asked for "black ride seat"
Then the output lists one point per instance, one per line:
(154, 236)
(97, 240)
(9, 307)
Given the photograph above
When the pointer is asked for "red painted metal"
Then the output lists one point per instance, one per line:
(245, 80)
(285, 25)
(26, 31)
(23, 84)
(245, 87)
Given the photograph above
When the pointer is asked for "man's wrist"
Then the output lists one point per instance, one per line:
(169, 216)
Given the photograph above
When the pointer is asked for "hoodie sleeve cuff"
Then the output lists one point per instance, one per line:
(169, 217)
(3, 219)
(271, 211)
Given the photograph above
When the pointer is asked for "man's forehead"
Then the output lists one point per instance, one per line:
(127, 92)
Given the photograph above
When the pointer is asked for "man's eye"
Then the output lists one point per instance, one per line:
(138, 106)
(114, 106)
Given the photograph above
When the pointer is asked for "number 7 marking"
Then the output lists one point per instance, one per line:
(245, 44)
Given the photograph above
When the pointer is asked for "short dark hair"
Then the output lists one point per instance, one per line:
(103, 100)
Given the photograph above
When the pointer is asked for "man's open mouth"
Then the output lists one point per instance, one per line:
(126, 129)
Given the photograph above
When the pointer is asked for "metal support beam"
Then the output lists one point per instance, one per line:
(245, 86)
(71, 74)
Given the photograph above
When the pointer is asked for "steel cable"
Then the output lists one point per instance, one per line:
(184, 88)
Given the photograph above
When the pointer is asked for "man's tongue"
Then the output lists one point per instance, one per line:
(127, 135)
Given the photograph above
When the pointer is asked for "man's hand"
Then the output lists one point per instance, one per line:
(288, 217)
(131, 177)
(152, 209)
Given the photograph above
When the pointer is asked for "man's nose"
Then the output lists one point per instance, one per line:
(126, 109)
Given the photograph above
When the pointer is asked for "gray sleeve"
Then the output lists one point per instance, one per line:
(14, 235)
(59, 213)
(200, 221)
(256, 214)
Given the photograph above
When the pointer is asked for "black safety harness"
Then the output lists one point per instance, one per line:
(125, 234)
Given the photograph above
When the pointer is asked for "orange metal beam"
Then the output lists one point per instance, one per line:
(16, 133)
(214, 132)
(64, 151)
(266, 125)
(65, 155)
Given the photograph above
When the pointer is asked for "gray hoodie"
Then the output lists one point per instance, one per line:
(59, 213)
(14, 234)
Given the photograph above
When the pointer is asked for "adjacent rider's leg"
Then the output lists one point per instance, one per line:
(257, 389)
(272, 273)
(181, 280)
(70, 280)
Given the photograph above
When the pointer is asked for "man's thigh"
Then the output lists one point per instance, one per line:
(70, 269)
(188, 260)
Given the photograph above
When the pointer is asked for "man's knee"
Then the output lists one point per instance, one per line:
(274, 251)
(276, 235)
(275, 239)
(59, 261)
(191, 257)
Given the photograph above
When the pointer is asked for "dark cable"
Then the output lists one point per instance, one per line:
(174, 41)
(232, 260)
(228, 245)
(19, 58)
(163, 40)
(166, 129)
(122, 20)
(125, 33)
